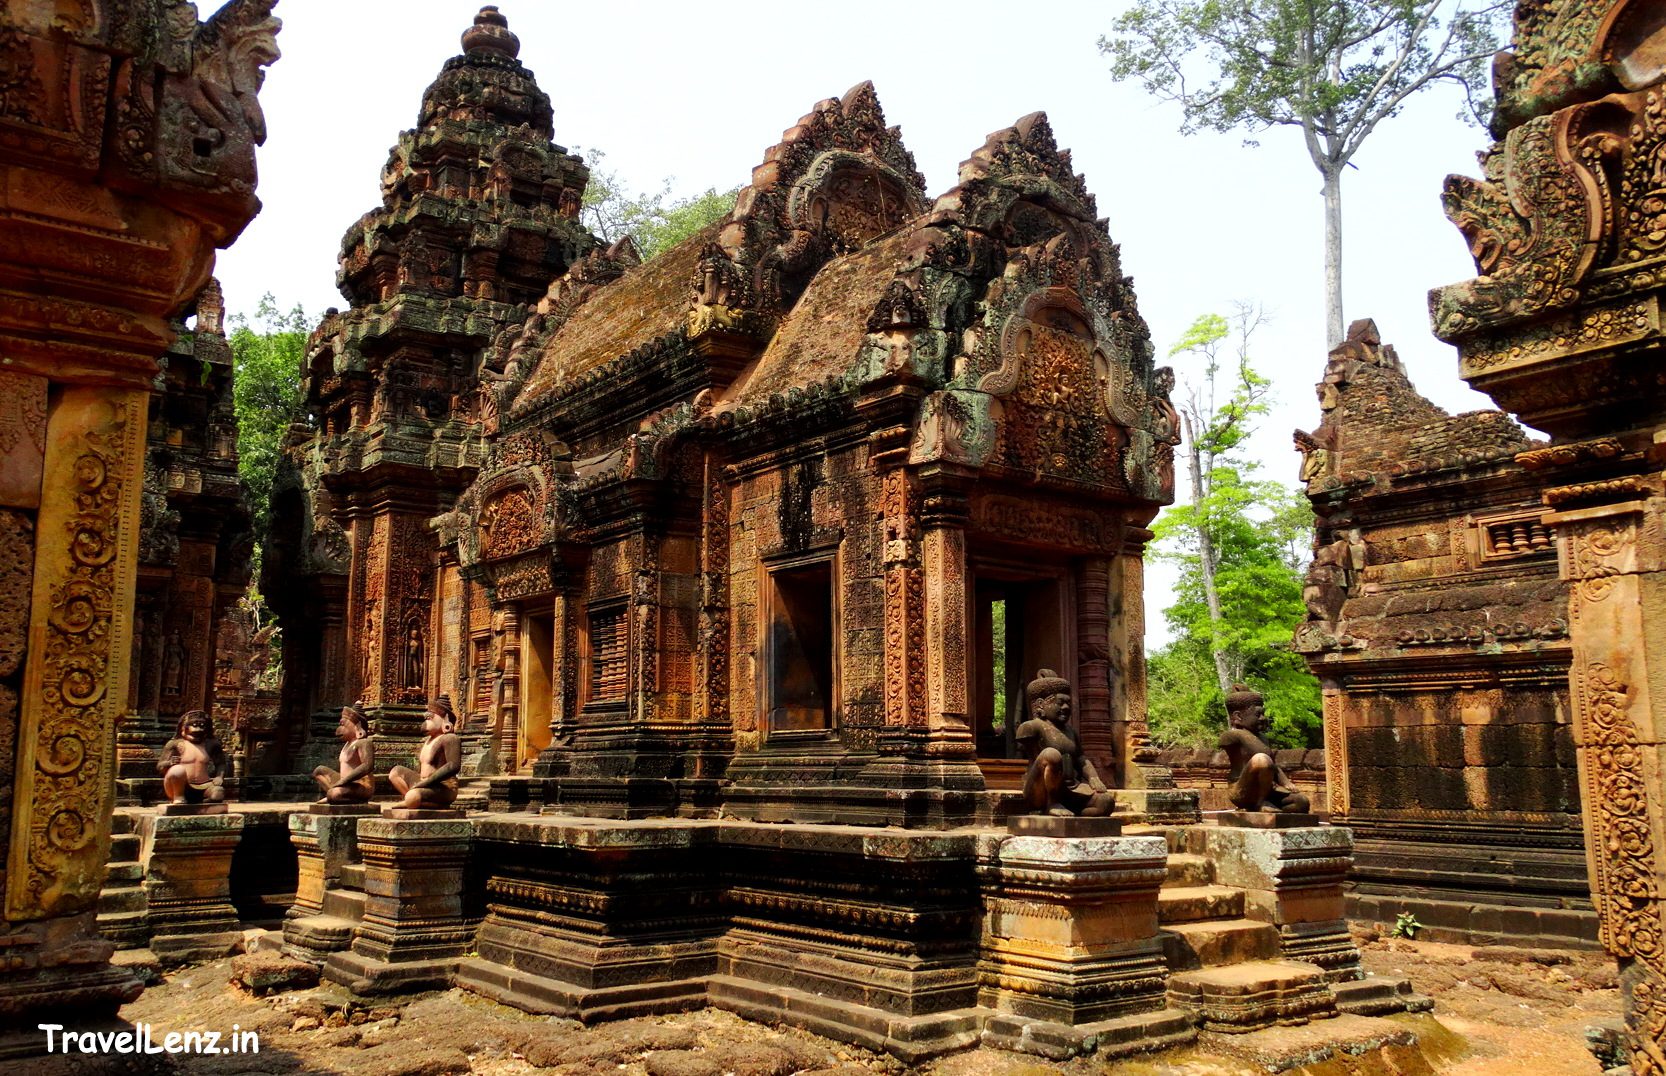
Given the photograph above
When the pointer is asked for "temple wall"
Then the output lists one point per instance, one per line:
(1438, 628)
(808, 511)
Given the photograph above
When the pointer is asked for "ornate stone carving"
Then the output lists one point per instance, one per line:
(76, 684)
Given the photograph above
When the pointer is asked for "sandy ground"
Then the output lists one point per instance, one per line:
(1505, 1016)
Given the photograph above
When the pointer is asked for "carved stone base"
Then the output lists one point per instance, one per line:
(413, 931)
(58, 967)
(188, 884)
(357, 810)
(325, 841)
(1070, 932)
(1293, 879)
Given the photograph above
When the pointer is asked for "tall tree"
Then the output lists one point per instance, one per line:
(266, 352)
(1213, 428)
(655, 222)
(1334, 69)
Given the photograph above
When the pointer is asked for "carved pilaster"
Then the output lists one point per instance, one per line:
(1612, 555)
(947, 640)
(75, 681)
(905, 617)
(1336, 748)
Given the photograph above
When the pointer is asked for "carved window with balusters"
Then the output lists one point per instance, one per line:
(1514, 537)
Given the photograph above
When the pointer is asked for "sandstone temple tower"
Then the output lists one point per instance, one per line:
(478, 215)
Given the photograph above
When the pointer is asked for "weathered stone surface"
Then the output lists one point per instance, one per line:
(188, 885)
(269, 972)
(1564, 332)
(1439, 631)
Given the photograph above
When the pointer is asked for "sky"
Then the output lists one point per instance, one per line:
(696, 93)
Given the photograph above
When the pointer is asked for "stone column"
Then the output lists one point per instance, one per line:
(188, 885)
(413, 932)
(1071, 950)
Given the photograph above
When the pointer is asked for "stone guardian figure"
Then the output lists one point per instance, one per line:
(193, 764)
(353, 782)
(1256, 781)
(441, 757)
(1060, 781)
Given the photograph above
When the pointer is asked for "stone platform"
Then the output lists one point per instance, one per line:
(917, 942)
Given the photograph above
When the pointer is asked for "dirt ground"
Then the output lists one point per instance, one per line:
(1509, 1014)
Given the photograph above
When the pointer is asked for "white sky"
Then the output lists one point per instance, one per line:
(698, 92)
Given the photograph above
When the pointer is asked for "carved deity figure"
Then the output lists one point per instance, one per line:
(1061, 780)
(440, 760)
(413, 658)
(1257, 782)
(173, 665)
(193, 764)
(352, 783)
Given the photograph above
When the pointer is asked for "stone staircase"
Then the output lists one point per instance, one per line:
(1225, 969)
(314, 937)
(123, 905)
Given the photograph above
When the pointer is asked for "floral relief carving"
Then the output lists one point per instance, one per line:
(1622, 828)
(78, 679)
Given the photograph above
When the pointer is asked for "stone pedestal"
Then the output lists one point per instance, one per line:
(413, 930)
(1071, 955)
(325, 840)
(1291, 878)
(188, 886)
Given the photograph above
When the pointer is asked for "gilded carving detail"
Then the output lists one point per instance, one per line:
(75, 683)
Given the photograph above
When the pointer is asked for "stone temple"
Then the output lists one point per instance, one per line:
(673, 585)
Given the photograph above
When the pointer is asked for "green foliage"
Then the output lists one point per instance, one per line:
(1334, 69)
(1253, 525)
(1242, 538)
(267, 357)
(1406, 925)
(655, 222)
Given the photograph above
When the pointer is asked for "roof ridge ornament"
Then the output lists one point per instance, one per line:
(491, 33)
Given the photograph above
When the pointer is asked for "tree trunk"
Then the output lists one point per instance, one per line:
(1206, 553)
(1333, 255)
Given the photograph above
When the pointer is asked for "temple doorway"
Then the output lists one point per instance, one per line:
(538, 652)
(1020, 625)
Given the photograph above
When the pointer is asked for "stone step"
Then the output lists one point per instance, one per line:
(1186, 869)
(124, 847)
(126, 871)
(345, 904)
(127, 930)
(121, 822)
(126, 898)
(352, 876)
(313, 937)
(1187, 904)
(1246, 997)
(1217, 942)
